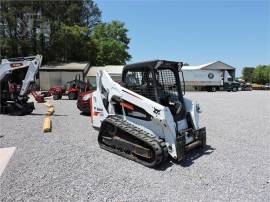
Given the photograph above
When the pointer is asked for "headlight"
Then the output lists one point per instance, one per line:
(86, 97)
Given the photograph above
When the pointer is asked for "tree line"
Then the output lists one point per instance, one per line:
(259, 74)
(61, 31)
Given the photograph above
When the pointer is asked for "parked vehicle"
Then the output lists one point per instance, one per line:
(83, 102)
(148, 118)
(244, 85)
(17, 76)
(266, 86)
(210, 80)
(257, 86)
(71, 89)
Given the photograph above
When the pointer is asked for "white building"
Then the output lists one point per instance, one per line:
(115, 71)
(59, 74)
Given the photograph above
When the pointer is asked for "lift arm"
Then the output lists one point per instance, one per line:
(108, 88)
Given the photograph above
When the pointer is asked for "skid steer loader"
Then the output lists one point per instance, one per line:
(147, 119)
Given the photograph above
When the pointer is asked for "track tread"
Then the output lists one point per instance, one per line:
(157, 145)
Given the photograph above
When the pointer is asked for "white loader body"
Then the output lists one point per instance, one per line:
(162, 123)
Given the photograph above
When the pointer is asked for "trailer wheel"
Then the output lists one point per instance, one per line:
(57, 96)
(234, 89)
(72, 96)
(213, 89)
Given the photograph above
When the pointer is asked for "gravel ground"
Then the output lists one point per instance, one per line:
(68, 165)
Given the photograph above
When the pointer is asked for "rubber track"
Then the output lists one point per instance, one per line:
(157, 145)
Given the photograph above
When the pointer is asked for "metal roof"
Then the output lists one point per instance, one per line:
(190, 67)
(113, 70)
(153, 64)
(210, 65)
(79, 66)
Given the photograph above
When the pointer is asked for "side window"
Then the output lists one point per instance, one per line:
(140, 82)
(167, 86)
(133, 79)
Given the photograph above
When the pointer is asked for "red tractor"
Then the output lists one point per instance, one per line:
(71, 89)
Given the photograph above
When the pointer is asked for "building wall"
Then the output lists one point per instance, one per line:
(69, 76)
(92, 79)
(56, 78)
(44, 80)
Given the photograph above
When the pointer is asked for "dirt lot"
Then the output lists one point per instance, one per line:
(68, 165)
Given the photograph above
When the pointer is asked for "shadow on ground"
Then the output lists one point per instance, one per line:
(85, 114)
(190, 157)
(38, 114)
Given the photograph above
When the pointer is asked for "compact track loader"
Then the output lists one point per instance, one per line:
(147, 119)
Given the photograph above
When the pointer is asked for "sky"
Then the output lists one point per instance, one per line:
(195, 32)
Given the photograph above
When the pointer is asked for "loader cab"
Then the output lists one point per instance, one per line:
(10, 85)
(158, 81)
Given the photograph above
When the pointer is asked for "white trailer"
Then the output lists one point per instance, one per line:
(210, 80)
(203, 77)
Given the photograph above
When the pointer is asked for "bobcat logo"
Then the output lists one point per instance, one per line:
(157, 111)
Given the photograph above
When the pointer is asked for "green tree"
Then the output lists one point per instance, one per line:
(247, 73)
(74, 44)
(61, 31)
(111, 43)
(262, 74)
(31, 27)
